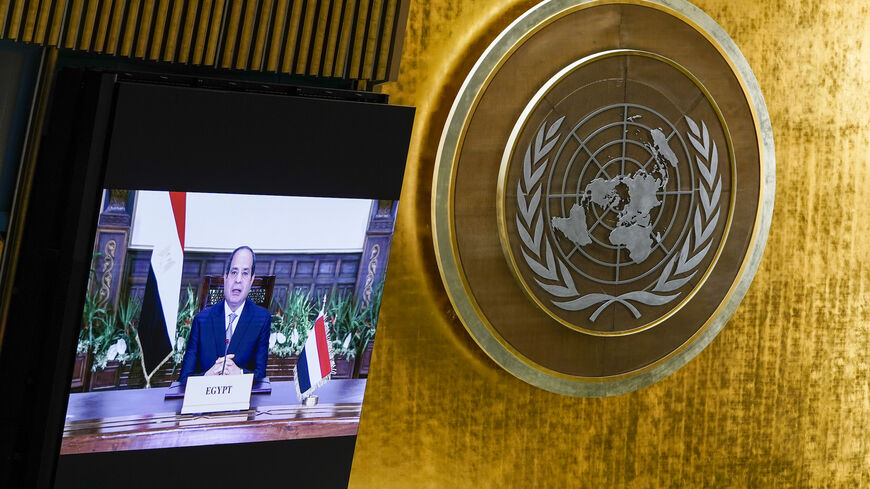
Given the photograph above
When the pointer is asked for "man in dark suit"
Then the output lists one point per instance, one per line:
(235, 325)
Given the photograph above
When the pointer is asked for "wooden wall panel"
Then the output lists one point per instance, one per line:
(317, 274)
(346, 39)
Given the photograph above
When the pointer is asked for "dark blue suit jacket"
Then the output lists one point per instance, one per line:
(250, 342)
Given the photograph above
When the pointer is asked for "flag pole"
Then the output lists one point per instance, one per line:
(311, 399)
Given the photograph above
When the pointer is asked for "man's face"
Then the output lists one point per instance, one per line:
(237, 283)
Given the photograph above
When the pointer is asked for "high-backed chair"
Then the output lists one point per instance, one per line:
(212, 290)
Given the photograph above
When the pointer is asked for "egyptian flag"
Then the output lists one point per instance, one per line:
(315, 363)
(160, 302)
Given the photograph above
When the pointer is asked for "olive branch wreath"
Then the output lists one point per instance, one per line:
(538, 252)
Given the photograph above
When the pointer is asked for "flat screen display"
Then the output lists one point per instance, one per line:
(160, 206)
(185, 285)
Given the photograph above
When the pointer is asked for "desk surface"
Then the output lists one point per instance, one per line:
(140, 418)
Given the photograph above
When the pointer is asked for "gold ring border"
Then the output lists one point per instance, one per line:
(509, 153)
(468, 311)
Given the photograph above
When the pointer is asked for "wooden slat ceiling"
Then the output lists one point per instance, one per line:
(347, 39)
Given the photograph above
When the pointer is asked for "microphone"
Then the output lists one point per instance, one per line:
(226, 348)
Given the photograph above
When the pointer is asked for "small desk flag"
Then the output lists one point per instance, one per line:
(315, 363)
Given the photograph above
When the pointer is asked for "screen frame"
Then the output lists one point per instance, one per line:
(76, 162)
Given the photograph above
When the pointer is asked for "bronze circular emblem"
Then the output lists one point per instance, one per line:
(603, 192)
(612, 219)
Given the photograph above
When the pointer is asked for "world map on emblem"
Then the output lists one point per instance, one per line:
(621, 200)
(631, 197)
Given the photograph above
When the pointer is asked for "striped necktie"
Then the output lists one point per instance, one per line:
(230, 318)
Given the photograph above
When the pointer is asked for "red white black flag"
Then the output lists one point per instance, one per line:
(157, 323)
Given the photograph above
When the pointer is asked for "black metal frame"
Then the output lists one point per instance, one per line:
(62, 211)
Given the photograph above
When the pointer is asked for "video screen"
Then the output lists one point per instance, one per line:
(194, 294)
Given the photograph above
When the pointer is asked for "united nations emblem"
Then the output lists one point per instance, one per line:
(619, 212)
(603, 193)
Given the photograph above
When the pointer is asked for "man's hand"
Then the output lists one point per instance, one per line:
(230, 369)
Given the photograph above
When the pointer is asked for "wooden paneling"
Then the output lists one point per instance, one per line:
(345, 39)
(318, 274)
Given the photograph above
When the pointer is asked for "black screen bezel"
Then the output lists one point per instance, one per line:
(104, 130)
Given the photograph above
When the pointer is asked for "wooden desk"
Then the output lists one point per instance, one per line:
(140, 419)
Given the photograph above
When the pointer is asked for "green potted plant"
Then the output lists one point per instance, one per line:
(126, 319)
(94, 321)
(165, 372)
(186, 313)
(290, 326)
(345, 318)
(115, 348)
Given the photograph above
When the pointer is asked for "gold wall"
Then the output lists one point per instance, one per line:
(781, 398)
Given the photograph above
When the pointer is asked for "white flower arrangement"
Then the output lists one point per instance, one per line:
(116, 349)
(277, 338)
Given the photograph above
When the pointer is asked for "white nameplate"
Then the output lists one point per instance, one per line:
(208, 394)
